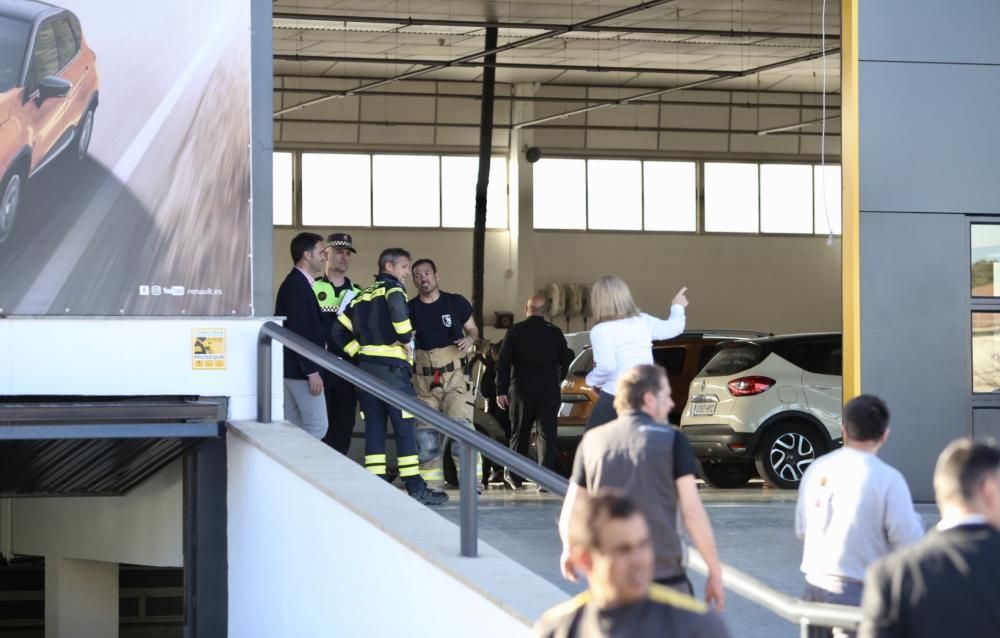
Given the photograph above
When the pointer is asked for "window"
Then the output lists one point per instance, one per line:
(406, 190)
(985, 352)
(66, 41)
(282, 189)
(986, 260)
(786, 198)
(825, 358)
(669, 196)
(614, 195)
(731, 198)
(670, 359)
(560, 194)
(13, 43)
(458, 192)
(45, 58)
(826, 198)
(336, 190)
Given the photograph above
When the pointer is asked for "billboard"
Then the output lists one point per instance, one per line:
(125, 157)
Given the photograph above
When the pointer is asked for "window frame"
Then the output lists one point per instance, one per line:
(989, 305)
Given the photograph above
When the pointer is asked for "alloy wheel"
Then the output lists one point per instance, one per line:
(8, 205)
(790, 455)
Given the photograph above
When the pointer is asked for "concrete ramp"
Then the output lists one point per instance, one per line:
(320, 547)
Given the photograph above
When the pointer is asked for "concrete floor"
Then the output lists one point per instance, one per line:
(754, 530)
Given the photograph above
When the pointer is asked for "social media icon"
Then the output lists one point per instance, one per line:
(177, 291)
(156, 291)
(143, 291)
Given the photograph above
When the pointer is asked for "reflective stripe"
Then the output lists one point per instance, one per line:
(369, 295)
(405, 414)
(376, 469)
(432, 475)
(402, 327)
(374, 458)
(390, 352)
(352, 347)
(346, 321)
(409, 466)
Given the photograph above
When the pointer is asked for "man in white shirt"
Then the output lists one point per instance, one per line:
(853, 508)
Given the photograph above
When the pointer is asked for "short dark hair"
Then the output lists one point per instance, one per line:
(303, 243)
(591, 514)
(421, 262)
(866, 418)
(635, 383)
(961, 468)
(391, 256)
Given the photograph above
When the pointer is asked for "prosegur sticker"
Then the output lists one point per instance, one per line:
(208, 349)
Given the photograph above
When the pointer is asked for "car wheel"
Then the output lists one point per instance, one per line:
(85, 130)
(785, 452)
(727, 475)
(10, 197)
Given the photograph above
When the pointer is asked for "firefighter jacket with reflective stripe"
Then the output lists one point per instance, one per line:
(378, 320)
(330, 300)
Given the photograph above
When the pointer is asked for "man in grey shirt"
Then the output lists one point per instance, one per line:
(654, 465)
(853, 508)
(610, 543)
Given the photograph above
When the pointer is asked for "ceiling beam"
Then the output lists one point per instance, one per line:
(735, 35)
(589, 68)
(568, 100)
(642, 6)
(638, 87)
(682, 87)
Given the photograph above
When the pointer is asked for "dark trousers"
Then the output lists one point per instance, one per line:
(848, 593)
(526, 407)
(341, 412)
(398, 376)
(503, 418)
(603, 412)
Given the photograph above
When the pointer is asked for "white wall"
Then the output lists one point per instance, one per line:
(112, 356)
(320, 547)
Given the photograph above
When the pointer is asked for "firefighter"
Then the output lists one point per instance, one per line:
(334, 291)
(375, 329)
(445, 336)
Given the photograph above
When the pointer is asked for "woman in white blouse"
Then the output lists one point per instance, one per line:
(622, 338)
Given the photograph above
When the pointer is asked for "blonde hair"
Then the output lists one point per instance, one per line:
(611, 299)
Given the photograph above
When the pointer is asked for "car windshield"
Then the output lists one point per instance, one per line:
(13, 44)
(583, 364)
(732, 359)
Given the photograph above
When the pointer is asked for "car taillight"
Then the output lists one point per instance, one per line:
(749, 386)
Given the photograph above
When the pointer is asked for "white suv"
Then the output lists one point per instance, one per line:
(772, 403)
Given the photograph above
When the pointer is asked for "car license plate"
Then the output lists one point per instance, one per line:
(703, 409)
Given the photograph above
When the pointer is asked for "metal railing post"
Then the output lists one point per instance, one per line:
(469, 500)
(264, 378)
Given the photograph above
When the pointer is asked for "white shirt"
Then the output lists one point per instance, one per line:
(853, 509)
(968, 519)
(625, 343)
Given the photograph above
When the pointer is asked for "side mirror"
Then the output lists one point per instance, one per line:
(53, 87)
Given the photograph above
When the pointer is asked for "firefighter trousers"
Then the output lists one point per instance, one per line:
(447, 391)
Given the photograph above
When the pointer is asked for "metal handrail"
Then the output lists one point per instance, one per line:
(803, 613)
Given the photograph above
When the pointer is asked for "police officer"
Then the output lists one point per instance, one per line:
(378, 320)
(446, 333)
(533, 362)
(333, 291)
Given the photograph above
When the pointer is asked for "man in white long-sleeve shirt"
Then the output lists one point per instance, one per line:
(853, 508)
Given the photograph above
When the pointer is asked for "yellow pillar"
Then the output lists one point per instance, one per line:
(851, 267)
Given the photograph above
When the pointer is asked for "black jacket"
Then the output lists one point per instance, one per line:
(948, 584)
(297, 303)
(534, 357)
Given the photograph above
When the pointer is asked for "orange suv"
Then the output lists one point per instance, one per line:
(48, 95)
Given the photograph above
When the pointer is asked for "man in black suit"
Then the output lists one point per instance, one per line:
(305, 405)
(948, 584)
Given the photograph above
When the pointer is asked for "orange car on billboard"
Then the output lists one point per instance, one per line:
(48, 95)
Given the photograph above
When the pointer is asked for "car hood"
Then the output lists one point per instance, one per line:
(7, 104)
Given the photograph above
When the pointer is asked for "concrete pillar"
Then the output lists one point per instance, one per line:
(521, 209)
(81, 598)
